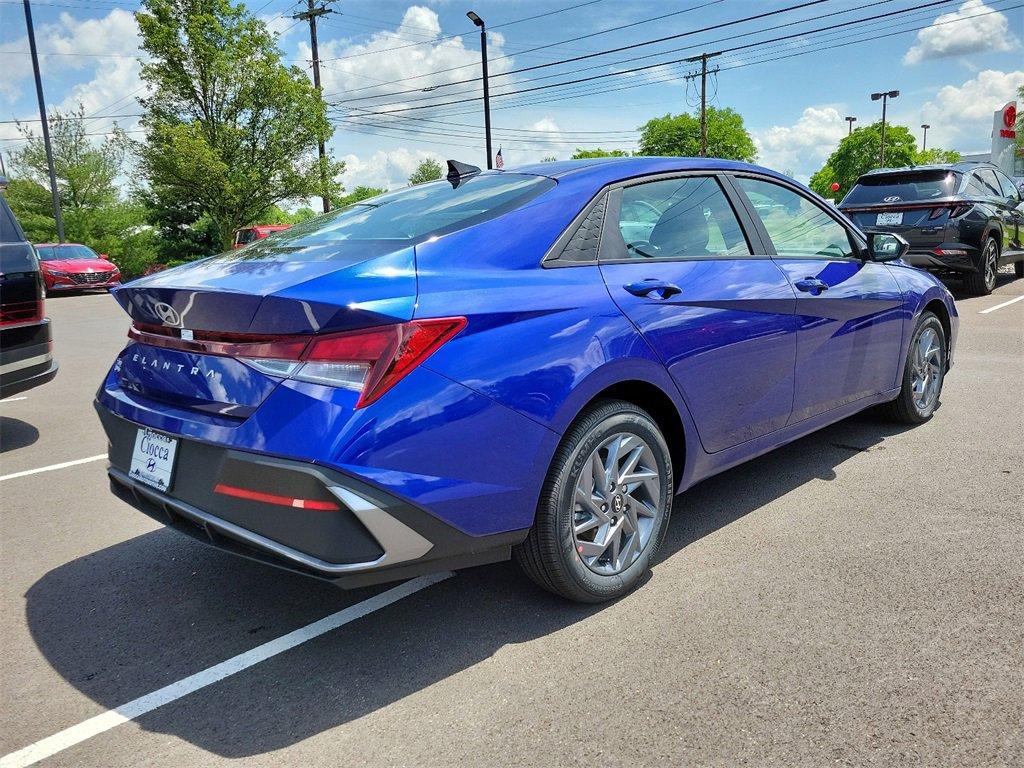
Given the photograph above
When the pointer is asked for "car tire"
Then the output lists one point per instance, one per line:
(923, 373)
(571, 549)
(983, 282)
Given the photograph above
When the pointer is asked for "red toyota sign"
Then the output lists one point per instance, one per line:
(1009, 120)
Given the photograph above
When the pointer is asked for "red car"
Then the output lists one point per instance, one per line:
(73, 267)
(251, 234)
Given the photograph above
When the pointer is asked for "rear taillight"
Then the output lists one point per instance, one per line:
(936, 213)
(19, 312)
(369, 361)
(959, 210)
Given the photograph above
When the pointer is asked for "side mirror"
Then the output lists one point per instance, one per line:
(104, 257)
(886, 246)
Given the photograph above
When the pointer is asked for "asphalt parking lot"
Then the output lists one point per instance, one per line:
(855, 598)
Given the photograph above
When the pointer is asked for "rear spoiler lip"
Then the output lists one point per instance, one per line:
(942, 202)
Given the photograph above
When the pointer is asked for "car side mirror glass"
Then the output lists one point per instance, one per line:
(886, 246)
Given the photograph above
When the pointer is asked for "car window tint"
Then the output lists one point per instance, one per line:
(905, 187)
(416, 213)
(55, 253)
(989, 182)
(680, 218)
(1006, 184)
(9, 230)
(796, 225)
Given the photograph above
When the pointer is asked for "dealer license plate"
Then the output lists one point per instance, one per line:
(884, 219)
(153, 459)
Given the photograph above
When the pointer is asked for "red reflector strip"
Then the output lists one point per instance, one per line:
(270, 498)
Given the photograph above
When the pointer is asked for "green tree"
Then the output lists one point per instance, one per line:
(230, 130)
(92, 207)
(860, 152)
(679, 136)
(583, 154)
(428, 170)
(358, 194)
(936, 156)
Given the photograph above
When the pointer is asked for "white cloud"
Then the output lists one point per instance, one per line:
(387, 169)
(801, 148)
(961, 115)
(371, 67)
(989, 33)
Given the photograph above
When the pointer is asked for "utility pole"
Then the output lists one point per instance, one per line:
(851, 120)
(487, 91)
(924, 139)
(46, 126)
(310, 14)
(884, 96)
(704, 71)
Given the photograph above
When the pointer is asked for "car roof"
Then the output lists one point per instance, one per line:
(599, 171)
(965, 166)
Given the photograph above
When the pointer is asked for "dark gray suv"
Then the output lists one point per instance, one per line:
(963, 219)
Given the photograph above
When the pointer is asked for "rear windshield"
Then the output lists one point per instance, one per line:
(57, 252)
(416, 213)
(903, 188)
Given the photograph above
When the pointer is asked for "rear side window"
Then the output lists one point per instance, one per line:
(681, 218)
(902, 188)
(416, 213)
(245, 236)
(10, 232)
(1010, 190)
(796, 225)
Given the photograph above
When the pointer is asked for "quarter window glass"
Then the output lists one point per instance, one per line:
(988, 181)
(680, 218)
(1009, 188)
(797, 226)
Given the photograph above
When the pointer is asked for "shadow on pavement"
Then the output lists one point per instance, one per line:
(131, 618)
(15, 434)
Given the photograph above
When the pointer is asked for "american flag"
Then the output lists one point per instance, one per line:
(499, 161)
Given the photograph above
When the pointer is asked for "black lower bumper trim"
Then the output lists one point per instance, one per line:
(20, 381)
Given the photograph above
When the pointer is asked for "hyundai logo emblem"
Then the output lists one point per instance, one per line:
(168, 315)
(893, 199)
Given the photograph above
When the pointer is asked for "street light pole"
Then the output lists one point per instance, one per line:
(54, 193)
(924, 139)
(487, 92)
(851, 121)
(885, 96)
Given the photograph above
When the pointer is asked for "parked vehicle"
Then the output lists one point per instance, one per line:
(251, 234)
(964, 219)
(75, 267)
(528, 363)
(26, 349)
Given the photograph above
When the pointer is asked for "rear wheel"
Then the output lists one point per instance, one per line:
(923, 373)
(604, 508)
(983, 282)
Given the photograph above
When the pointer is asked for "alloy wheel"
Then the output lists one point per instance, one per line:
(615, 504)
(927, 370)
(991, 264)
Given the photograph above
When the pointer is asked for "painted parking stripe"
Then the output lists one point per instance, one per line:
(62, 465)
(1000, 306)
(13, 399)
(112, 718)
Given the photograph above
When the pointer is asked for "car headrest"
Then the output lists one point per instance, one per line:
(682, 230)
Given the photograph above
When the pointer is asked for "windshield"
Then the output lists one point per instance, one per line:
(57, 252)
(917, 187)
(418, 212)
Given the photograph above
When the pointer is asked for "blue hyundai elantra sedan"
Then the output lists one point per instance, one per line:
(526, 364)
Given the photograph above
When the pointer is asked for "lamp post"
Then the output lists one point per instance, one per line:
(851, 121)
(487, 93)
(884, 96)
(924, 139)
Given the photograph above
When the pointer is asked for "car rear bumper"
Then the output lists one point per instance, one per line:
(372, 536)
(26, 359)
(953, 257)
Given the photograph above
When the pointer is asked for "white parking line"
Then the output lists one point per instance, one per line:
(1000, 306)
(52, 467)
(94, 726)
(13, 399)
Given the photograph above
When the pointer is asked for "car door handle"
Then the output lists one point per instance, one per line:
(659, 287)
(811, 285)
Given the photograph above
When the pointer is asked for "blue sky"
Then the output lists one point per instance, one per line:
(963, 63)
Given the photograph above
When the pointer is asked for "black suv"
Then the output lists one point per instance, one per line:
(965, 218)
(26, 358)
